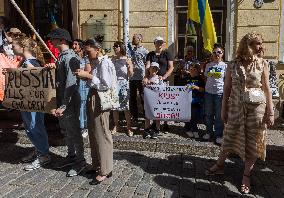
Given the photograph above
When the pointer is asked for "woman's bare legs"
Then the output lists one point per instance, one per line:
(128, 123)
(218, 167)
(249, 163)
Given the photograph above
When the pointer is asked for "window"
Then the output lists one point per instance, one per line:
(218, 10)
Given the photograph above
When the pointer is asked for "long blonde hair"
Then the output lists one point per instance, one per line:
(245, 51)
(33, 48)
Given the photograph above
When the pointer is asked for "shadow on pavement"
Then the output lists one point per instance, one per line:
(184, 176)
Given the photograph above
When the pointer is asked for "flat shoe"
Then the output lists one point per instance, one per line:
(129, 133)
(218, 171)
(97, 182)
(244, 188)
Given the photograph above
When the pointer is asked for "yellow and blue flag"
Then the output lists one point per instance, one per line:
(199, 12)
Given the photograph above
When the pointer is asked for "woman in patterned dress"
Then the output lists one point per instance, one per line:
(246, 117)
(124, 70)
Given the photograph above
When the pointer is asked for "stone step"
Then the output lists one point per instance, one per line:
(168, 143)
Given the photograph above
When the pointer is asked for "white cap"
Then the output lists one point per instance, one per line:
(158, 38)
(155, 64)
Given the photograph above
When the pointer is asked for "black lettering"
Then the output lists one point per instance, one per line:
(36, 78)
(47, 78)
(41, 94)
(18, 79)
(27, 78)
(10, 80)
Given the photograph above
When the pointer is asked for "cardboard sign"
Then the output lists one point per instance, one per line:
(167, 103)
(30, 89)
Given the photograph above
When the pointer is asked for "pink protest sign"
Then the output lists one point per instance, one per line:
(5, 62)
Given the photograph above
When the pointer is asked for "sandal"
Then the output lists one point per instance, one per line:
(129, 133)
(219, 170)
(244, 188)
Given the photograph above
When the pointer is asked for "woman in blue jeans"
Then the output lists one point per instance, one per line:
(84, 89)
(33, 121)
(214, 73)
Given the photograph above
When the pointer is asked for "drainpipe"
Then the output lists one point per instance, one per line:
(126, 21)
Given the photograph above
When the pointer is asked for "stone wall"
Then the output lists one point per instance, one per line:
(264, 20)
(148, 17)
(2, 8)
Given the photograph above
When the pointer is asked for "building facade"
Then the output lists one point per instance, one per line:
(166, 18)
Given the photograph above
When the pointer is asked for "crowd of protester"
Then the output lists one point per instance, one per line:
(84, 72)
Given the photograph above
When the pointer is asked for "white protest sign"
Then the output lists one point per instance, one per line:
(167, 103)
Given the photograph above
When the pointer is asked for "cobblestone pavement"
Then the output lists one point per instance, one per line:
(137, 174)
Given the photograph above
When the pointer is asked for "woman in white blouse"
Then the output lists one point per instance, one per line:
(101, 78)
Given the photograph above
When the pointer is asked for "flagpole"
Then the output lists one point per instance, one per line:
(32, 28)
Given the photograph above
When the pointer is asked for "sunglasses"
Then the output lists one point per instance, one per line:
(159, 42)
(115, 46)
(217, 52)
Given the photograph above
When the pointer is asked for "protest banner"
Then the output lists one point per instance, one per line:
(30, 89)
(167, 103)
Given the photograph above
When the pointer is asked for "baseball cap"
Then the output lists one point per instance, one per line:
(60, 33)
(158, 38)
(155, 64)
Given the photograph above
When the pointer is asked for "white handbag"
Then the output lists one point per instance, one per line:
(109, 99)
(254, 96)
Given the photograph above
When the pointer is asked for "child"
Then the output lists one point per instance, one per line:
(153, 79)
(196, 83)
(28, 49)
(215, 74)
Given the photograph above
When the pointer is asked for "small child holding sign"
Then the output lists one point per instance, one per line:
(196, 83)
(153, 79)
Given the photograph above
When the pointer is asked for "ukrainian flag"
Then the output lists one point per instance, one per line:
(199, 12)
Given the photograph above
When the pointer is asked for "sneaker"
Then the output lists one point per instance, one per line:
(196, 135)
(189, 134)
(68, 161)
(84, 133)
(154, 135)
(30, 158)
(146, 134)
(77, 168)
(206, 136)
(40, 161)
(219, 141)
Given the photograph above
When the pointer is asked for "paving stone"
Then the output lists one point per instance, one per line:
(80, 193)
(171, 194)
(142, 189)
(66, 191)
(127, 191)
(134, 180)
(17, 192)
(273, 191)
(202, 193)
(155, 193)
(187, 188)
(232, 190)
(140, 174)
(40, 186)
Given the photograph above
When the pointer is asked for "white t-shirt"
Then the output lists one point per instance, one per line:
(215, 73)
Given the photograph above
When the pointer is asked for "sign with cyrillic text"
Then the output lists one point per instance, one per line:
(167, 103)
(30, 89)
